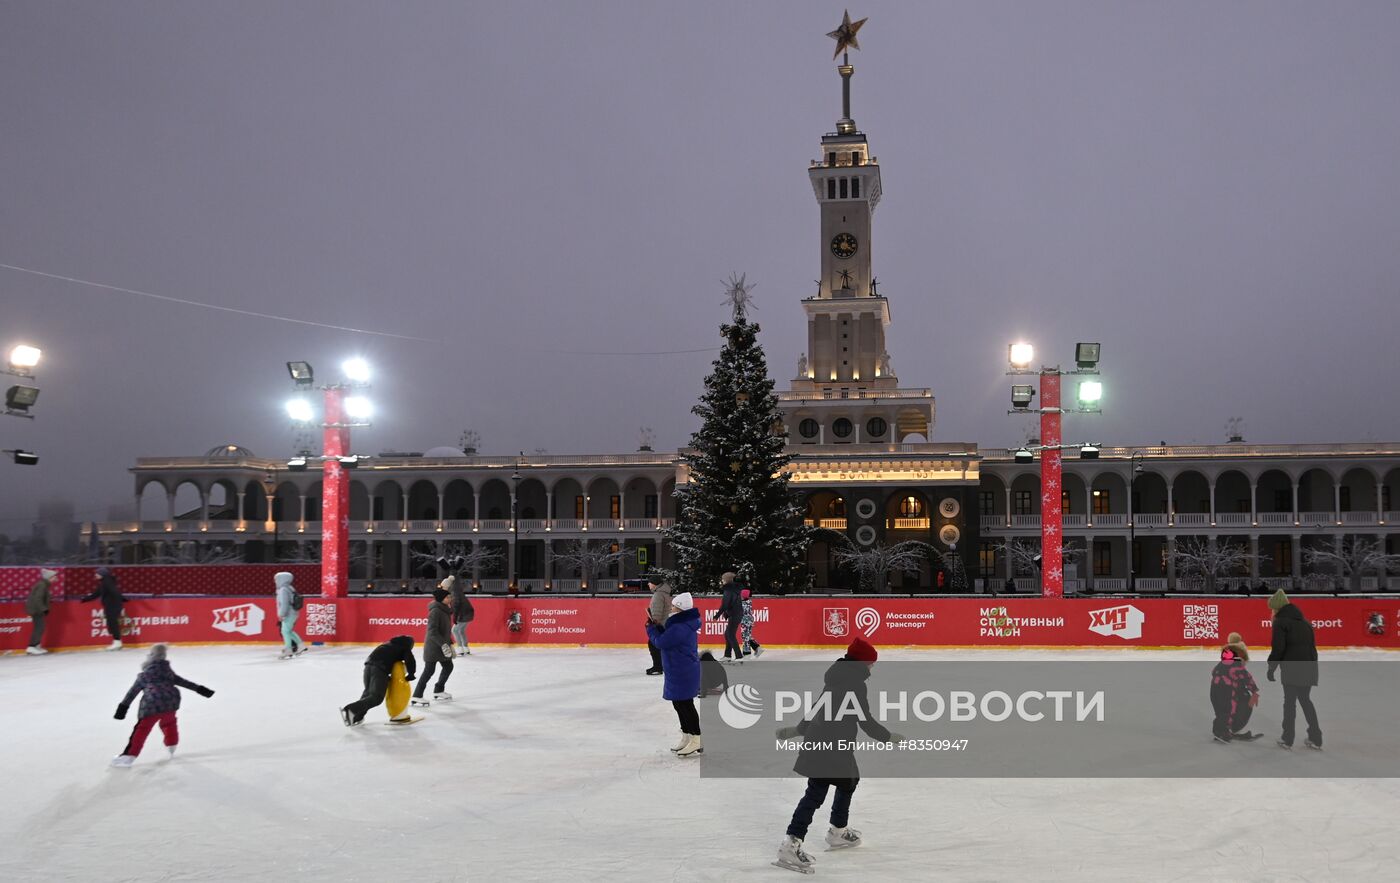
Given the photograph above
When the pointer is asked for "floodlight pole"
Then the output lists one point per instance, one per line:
(335, 497)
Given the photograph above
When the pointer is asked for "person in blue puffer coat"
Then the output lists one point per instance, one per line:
(679, 643)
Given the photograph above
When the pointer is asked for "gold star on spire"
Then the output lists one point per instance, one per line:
(846, 34)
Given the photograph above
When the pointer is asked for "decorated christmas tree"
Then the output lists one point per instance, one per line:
(736, 512)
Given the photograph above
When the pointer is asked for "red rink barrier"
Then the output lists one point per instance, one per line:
(167, 579)
(885, 622)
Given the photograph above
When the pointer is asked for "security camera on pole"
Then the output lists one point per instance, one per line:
(1086, 357)
(341, 413)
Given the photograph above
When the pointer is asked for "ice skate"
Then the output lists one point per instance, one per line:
(1313, 745)
(348, 716)
(1286, 746)
(35, 651)
(420, 702)
(171, 750)
(286, 654)
(115, 645)
(300, 650)
(791, 857)
(653, 671)
(123, 760)
(441, 696)
(842, 838)
(1246, 736)
(757, 651)
(1221, 739)
(685, 740)
(692, 747)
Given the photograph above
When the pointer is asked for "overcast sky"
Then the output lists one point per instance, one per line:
(1210, 189)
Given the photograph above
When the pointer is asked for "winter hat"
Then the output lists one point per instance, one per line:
(447, 582)
(744, 594)
(1227, 655)
(439, 593)
(48, 574)
(861, 651)
(157, 654)
(1278, 601)
(683, 601)
(1236, 643)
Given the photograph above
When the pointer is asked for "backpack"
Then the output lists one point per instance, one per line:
(296, 600)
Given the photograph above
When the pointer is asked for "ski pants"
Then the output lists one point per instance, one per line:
(655, 655)
(1300, 695)
(168, 728)
(812, 800)
(376, 685)
(290, 639)
(459, 634)
(37, 633)
(429, 666)
(114, 624)
(746, 638)
(731, 640)
(1231, 719)
(688, 715)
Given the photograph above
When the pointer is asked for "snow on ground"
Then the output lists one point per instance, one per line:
(554, 764)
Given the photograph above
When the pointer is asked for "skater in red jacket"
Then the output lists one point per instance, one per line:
(160, 699)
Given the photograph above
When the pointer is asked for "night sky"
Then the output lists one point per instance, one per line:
(550, 193)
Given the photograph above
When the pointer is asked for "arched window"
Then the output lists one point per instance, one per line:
(836, 508)
(911, 507)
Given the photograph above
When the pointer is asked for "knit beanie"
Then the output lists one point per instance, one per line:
(1278, 601)
(683, 601)
(1236, 643)
(157, 654)
(439, 593)
(447, 582)
(861, 651)
(744, 594)
(48, 574)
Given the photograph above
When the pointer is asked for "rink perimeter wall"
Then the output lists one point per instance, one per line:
(805, 622)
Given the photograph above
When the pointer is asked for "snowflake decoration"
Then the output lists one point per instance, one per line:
(1051, 530)
(1053, 484)
(1055, 574)
(1045, 498)
(739, 295)
(1055, 460)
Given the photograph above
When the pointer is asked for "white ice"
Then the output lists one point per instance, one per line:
(554, 765)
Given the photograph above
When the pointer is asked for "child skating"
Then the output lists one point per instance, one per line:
(378, 665)
(1233, 693)
(160, 699)
(827, 766)
(746, 642)
(462, 613)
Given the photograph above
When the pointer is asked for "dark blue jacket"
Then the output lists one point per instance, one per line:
(679, 643)
(157, 685)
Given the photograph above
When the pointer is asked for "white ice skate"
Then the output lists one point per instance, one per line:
(285, 654)
(685, 740)
(35, 651)
(442, 697)
(691, 748)
(1313, 745)
(348, 716)
(115, 645)
(171, 749)
(792, 857)
(757, 652)
(300, 650)
(123, 760)
(420, 702)
(842, 838)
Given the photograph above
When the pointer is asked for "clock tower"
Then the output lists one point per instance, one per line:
(847, 316)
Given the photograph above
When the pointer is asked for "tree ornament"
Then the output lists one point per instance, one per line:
(734, 465)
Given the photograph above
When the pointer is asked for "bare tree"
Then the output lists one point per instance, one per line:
(874, 564)
(1024, 554)
(589, 560)
(1357, 557)
(1200, 557)
(190, 554)
(458, 558)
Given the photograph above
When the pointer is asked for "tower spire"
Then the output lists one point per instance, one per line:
(845, 36)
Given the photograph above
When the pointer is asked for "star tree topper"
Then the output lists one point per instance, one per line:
(739, 295)
(846, 34)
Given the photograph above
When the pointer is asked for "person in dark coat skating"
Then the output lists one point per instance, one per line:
(824, 764)
(377, 668)
(731, 609)
(679, 643)
(160, 699)
(437, 649)
(112, 602)
(1295, 651)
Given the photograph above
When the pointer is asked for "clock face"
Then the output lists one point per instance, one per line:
(844, 245)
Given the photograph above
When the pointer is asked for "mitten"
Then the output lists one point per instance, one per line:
(1270, 673)
(121, 712)
(446, 649)
(204, 691)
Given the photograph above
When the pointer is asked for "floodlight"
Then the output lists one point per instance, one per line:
(24, 357)
(24, 458)
(301, 373)
(1090, 391)
(1023, 455)
(1021, 355)
(1086, 355)
(350, 462)
(1089, 452)
(296, 464)
(20, 398)
(356, 369)
(358, 408)
(300, 411)
(1021, 396)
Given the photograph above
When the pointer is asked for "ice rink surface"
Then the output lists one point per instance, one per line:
(554, 765)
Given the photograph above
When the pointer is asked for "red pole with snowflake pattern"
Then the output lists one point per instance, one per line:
(335, 499)
(1052, 571)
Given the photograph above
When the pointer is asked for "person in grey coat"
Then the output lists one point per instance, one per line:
(437, 649)
(37, 606)
(657, 611)
(288, 611)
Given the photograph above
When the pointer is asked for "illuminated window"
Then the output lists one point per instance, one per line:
(1101, 504)
(986, 502)
(836, 508)
(615, 507)
(578, 507)
(987, 560)
(1064, 502)
(911, 507)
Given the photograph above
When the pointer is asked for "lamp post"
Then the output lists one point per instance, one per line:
(340, 413)
(515, 528)
(1020, 356)
(269, 484)
(1135, 468)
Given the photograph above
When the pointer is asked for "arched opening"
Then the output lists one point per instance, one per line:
(1232, 498)
(458, 502)
(1190, 493)
(1274, 492)
(189, 504)
(495, 501)
(1358, 491)
(1316, 501)
(604, 500)
(386, 502)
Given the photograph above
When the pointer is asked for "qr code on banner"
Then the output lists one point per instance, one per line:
(1201, 621)
(320, 619)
